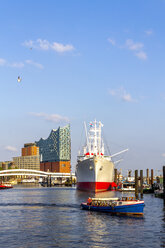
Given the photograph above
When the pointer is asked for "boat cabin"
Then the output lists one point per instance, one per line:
(108, 201)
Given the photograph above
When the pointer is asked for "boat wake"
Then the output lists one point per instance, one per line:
(39, 205)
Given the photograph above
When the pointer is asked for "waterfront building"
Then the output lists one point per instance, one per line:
(27, 162)
(30, 158)
(55, 151)
(5, 165)
(30, 149)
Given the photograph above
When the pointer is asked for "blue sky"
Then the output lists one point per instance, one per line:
(81, 60)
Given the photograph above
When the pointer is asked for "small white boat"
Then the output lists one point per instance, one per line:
(127, 187)
(31, 180)
(159, 193)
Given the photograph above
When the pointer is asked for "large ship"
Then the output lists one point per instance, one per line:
(94, 170)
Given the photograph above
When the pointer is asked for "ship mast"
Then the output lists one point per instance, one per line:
(94, 142)
(95, 145)
(86, 133)
(95, 137)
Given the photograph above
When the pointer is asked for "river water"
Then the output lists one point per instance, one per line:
(52, 217)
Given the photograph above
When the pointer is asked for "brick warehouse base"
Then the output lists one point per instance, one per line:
(57, 166)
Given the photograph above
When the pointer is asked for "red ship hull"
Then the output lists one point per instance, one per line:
(96, 186)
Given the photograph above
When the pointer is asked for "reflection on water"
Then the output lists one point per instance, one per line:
(51, 217)
(163, 225)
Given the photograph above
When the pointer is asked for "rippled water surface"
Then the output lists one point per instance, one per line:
(51, 217)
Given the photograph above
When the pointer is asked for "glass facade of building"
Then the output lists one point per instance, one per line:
(57, 147)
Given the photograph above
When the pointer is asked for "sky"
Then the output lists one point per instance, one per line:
(79, 61)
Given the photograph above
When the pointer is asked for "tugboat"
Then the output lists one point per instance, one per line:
(125, 205)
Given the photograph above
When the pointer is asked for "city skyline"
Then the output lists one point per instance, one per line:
(79, 61)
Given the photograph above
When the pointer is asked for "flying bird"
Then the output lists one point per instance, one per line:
(19, 79)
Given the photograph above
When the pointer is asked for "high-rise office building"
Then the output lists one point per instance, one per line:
(30, 149)
(27, 162)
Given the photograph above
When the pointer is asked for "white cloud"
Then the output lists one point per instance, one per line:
(135, 46)
(2, 62)
(137, 49)
(16, 65)
(51, 117)
(61, 48)
(30, 62)
(112, 41)
(141, 55)
(29, 43)
(121, 94)
(127, 97)
(43, 44)
(46, 45)
(11, 148)
(56, 118)
(149, 32)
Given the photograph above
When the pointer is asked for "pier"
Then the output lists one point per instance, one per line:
(142, 184)
(47, 176)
